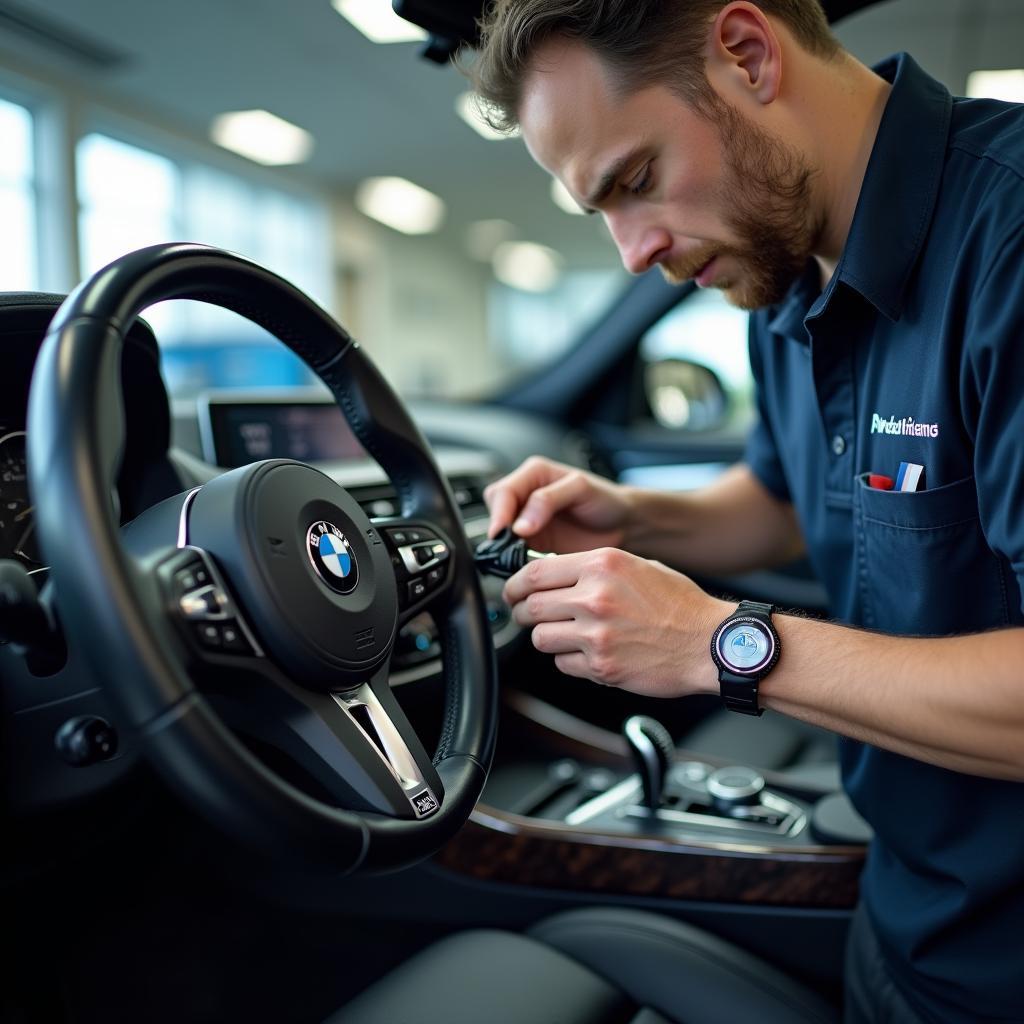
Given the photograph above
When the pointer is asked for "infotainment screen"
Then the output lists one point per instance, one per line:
(236, 433)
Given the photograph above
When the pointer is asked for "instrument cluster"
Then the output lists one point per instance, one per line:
(17, 523)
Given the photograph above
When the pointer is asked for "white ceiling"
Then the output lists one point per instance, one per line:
(378, 110)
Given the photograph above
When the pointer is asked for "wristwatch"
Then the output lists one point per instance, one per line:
(745, 649)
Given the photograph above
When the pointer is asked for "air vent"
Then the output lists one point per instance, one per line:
(469, 493)
(381, 500)
(50, 34)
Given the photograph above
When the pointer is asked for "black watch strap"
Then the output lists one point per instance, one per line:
(739, 693)
(754, 608)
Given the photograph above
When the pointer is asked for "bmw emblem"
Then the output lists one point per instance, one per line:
(332, 557)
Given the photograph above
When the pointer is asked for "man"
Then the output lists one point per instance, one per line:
(877, 228)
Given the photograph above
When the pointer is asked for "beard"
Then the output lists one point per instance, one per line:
(767, 191)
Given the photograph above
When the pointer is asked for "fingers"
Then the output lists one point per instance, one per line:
(505, 497)
(546, 606)
(556, 638)
(553, 573)
(503, 506)
(546, 502)
(575, 664)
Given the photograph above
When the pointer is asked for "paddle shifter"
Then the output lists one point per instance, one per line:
(653, 751)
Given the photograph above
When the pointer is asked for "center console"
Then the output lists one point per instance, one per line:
(630, 815)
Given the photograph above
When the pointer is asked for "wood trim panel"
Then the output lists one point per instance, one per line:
(498, 847)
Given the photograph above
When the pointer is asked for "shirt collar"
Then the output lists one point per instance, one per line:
(901, 186)
(896, 203)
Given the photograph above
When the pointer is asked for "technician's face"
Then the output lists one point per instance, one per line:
(716, 200)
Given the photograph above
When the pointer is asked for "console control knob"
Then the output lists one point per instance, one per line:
(734, 786)
(86, 740)
(653, 751)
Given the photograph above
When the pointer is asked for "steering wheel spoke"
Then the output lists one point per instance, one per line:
(421, 558)
(350, 748)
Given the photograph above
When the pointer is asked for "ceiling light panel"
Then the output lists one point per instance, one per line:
(527, 266)
(263, 137)
(378, 22)
(997, 85)
(401, 205)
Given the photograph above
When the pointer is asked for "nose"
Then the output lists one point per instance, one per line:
(640, 245)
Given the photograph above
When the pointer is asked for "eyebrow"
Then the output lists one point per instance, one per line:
(608, 180)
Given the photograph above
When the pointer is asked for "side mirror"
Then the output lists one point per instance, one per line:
(684, 395)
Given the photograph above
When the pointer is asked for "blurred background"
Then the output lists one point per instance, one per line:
(312, 138)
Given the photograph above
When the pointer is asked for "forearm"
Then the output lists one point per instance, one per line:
(957, 702)
(734, 525)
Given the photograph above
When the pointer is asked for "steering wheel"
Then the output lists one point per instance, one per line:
(245, 628)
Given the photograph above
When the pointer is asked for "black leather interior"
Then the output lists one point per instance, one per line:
(591, 966)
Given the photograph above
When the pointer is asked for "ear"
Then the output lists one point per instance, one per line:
(745, 55)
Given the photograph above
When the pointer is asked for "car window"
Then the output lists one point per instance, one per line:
(706, 330)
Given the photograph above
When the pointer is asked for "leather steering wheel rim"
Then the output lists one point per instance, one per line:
(75, 437)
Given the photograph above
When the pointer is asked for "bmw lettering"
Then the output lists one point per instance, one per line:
(332, 557)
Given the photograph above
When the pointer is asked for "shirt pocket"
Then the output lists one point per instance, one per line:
(923, 564)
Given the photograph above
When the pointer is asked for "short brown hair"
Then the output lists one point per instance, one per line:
(643, 42)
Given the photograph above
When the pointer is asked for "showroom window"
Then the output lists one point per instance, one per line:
(18, 258)
(531, 328)
(131, 197)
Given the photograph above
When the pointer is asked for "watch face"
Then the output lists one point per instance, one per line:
(746, 646)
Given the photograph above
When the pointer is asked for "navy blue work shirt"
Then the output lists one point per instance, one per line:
(914, 352)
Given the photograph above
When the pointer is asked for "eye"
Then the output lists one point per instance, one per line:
(642, 182)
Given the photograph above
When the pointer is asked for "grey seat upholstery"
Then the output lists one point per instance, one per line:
(593, 966)
(772, 741)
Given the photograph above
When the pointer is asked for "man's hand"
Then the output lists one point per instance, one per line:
(558, 507)
(620, 620)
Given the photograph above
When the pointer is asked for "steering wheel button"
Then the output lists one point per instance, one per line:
(202, 576)
(186, 580)
(209, 635)
(417, 588)
(435, 577)
(439, 550)
(399, 537)
(233, 640)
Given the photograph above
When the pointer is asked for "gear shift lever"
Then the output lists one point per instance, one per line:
(653, 751)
